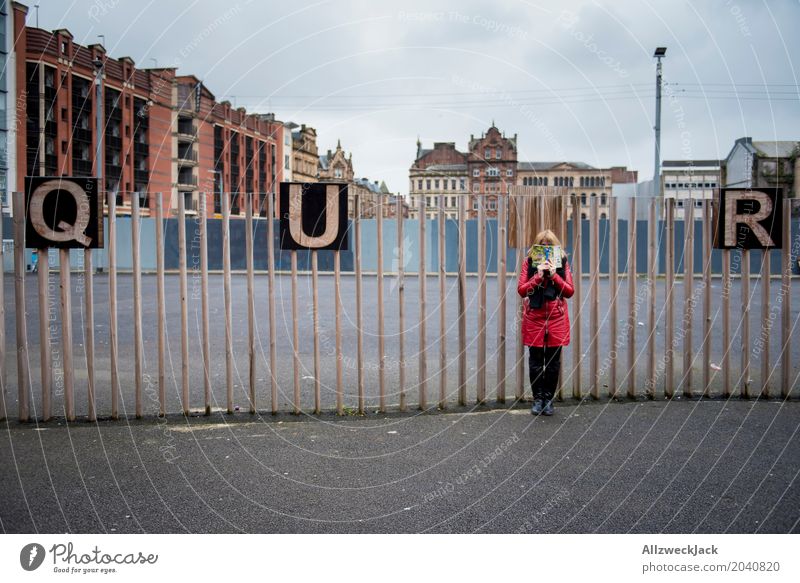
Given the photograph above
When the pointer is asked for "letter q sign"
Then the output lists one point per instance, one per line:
(749, 219)
(64, 212)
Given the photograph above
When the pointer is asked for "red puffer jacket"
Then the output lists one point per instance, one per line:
(549, 324)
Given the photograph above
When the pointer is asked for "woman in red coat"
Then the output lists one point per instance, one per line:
(545, 321)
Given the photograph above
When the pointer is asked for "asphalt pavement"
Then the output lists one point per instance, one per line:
(708, 466)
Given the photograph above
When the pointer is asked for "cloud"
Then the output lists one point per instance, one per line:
(589, 85)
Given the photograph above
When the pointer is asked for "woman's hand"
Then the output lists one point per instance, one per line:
(541, 268)
(548, 268)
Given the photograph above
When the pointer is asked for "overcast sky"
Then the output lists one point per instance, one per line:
(574, 80)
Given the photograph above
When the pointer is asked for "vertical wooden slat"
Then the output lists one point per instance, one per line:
(295, 340)
(184, 303)
(401, 306)
(502, 286)
(66, 334)
(594, 298)
(45, 363)
(88, 331)
(688, 290)
(359, 315)
(745, 327)
(462, 299)
(273, 353)
(726, 323)
(766, 325)
(652, 269)
(3, 374)
(23, 363)
(381, 330)
(162, 340)
(251, 300)
(706, 298)
(442, 311)
(786, 304)
(337, 292)
(576, 298)
(613, 280)
(204, 304)
(632, 304)
(226, 288)
(423, 362)
(315, 323)
(563, 211)
(669, 325)
(138, 342)
(112, 303)
(481, 360)
(520, 222)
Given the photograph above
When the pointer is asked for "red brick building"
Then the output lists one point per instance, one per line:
(491, 167)
(163, 133)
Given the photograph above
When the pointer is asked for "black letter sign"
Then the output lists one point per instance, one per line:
(750, 218)
(63, 212)
(313, 216)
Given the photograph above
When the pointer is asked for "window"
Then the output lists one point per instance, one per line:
(64, 47)
(476, 172)
(510, 172)
(603, 199)
(698, 203)
(603, 216)
(498, 153)
(453, 184)
(679, 203)
(427, 201)
(419, 184)
(428, 184)
(583, 199)
(493, 172)
(583, 216)
(436, 183)
(492, 205)
(487, 153)
(463, 184)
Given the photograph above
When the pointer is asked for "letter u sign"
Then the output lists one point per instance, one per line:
(313, 216)
(750, 218)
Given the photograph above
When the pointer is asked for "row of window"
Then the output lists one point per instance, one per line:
(569, 181)
(690, 185)
(492, 172)
(450, 202)
(441, 184)
(498, 153)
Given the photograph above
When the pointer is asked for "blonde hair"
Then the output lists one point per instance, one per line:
(547, 237)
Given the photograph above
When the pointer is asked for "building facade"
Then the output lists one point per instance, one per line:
(694, 180)
(491, 168)
(576, 178)
(305, 158)
(764, 164)
(8, 118)
(163, 134)
(440, 176)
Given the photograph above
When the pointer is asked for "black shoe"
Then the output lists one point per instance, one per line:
(538, 404)
(548, 407)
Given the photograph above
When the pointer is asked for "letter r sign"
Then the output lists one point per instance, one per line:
(749, 219)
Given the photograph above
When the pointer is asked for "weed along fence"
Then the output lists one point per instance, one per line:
(178, 311)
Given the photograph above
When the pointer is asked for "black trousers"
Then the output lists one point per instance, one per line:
(543, 365)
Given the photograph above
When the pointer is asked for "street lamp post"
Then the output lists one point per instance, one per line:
(98, 102)
(660, 52)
